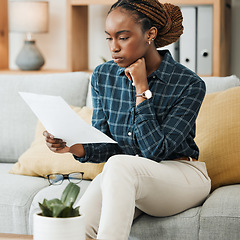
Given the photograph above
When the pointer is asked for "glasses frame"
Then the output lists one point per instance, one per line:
(64, 176)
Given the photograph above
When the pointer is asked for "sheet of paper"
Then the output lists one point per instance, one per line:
(61, 121)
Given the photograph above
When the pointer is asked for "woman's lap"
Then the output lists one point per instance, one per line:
(158, 189)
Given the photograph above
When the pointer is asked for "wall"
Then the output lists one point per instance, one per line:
(97, 16)
(235, 52)
(53, 44)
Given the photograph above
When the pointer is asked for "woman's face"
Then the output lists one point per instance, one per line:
(126, 40)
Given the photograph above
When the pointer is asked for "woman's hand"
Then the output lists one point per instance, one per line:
(137, 73)
(57, 145)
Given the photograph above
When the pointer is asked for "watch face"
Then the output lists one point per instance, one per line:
(148, 94)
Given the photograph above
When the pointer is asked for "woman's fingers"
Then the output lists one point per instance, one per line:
(48, 135)
(55, 144)
(50, 138)
(127, 73)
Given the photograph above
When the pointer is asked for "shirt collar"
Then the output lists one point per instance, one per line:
(166, 67)
(120, 70)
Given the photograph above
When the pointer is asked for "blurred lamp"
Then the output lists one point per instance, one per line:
(29, 17)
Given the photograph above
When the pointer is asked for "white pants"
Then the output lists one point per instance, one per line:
(130, 183)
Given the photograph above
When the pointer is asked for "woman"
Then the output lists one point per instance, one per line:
(148, 104)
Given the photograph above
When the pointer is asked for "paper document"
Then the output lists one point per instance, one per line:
(61, 121)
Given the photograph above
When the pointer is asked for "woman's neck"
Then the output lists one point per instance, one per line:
(153, 61)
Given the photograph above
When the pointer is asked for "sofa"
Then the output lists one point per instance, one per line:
(23, 186)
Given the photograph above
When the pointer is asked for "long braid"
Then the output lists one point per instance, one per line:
(167, 18)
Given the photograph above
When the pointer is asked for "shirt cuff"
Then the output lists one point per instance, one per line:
(144, 111)
(88, 148)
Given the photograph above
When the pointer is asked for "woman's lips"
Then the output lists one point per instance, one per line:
(117, 59)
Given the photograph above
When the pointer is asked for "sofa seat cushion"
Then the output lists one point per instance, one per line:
(17, 193)
(17, 121)
(220, 215)
(184, 225)
(217, 136)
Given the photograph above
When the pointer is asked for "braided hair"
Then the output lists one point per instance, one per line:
(167, 18)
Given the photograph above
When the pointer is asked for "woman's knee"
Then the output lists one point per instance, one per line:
(117, 169)
(119, 163)
(115, 160)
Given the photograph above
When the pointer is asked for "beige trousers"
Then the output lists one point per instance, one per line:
(130, 185)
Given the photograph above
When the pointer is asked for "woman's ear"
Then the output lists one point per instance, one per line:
(152, 33)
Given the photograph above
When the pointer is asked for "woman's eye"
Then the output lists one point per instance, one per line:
(123, 38)
(108, 38)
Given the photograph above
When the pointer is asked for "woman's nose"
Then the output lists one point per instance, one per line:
(114, 47)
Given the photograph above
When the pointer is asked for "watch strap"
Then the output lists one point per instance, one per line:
(146, 94)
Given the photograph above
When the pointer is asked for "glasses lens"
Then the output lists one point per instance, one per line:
(75, 177)
(55, 179)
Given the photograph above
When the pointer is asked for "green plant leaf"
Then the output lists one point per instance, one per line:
(66, 212)
(58, 209)
(51, 203)
(103, 59)
(76, 212)
(45, 210)
(62, 208)
(56, 206)
(70, 194)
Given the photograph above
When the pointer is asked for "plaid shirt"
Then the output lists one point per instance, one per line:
(159, 128)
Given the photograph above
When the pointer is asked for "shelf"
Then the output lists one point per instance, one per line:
(175, 2)
(7, 71)
(78, 31)
(90, 2)
(4, 34)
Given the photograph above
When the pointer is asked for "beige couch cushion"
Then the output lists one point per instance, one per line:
(218, 136)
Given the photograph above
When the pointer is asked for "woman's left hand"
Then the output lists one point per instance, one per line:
(137, 73)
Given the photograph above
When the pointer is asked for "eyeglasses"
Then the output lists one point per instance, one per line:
(57, 178)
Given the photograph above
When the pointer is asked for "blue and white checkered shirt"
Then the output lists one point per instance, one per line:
(160, 128)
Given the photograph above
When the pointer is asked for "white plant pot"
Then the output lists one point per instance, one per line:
(49, 228)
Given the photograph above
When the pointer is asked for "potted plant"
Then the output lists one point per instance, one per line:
(58, 219)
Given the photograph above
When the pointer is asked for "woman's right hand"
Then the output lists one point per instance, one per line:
(57, 145)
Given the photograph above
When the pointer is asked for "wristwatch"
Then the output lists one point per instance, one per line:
(146, 94)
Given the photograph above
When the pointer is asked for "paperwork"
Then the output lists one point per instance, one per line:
(61, 121)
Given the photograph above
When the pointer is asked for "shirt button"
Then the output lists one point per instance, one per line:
(154, 76)
(129, 133)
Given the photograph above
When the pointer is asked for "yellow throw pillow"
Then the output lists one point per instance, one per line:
(218, 136)
(38, 160)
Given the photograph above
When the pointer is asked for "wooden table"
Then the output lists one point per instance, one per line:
(10, 236)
